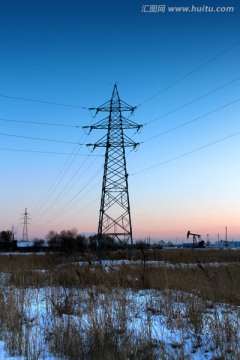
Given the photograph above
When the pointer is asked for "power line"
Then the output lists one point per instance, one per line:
(58, 178)
(42, 139)
(100, 125)
(40, 123)
(89, 182)
(190, 73)
(60, 175)
(191, 121)
(66, 188)
(45, 152)
(65, 208)
(186, 154)
(79, 211)
(192, 101)
(43, 102)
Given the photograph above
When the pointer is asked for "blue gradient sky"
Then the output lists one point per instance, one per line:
(73, 53)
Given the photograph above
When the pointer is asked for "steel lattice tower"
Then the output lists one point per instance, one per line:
(114, 215)
(25, 218)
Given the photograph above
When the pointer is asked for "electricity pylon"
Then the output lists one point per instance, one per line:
(114, 215)
(13, 233)
(25, 218)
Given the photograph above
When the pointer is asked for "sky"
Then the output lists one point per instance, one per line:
(181, 70)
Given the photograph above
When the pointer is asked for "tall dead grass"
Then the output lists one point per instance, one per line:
(89, 314)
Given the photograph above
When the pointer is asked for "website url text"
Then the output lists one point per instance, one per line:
(186, 9)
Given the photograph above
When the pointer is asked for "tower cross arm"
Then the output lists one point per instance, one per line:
(115, 143)
(129, 124)
(119, 105)
(102, 124)
(103, 107)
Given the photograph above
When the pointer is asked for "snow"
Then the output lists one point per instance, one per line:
(179, 325)
(146, 316)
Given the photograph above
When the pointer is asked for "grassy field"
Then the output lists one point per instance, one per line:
(162, 304)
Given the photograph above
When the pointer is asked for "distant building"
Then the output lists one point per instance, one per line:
(229, 244)
(187, 245)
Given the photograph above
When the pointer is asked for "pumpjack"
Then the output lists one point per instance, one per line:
(199, 243)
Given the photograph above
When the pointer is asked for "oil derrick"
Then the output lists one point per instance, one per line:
(25, 222)
(114, 215)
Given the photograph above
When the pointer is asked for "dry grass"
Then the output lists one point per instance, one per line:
(88, 305)
(186, 272)
(177, 256)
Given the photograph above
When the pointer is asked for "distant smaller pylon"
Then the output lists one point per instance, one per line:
(13, 233)
(25, 218)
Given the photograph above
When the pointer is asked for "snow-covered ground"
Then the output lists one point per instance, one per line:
(166, 325)
(56, 321)
(109, 265)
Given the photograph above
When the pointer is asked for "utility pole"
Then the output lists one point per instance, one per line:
(208, 241)
(25, 222)
(226, 240)
(114, 215)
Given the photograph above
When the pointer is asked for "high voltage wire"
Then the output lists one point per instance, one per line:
(60, 175)
(72, 199)
(40, 123)
(45, 152)
(42, 139)
(192, 101)
(158, 165)
(43, 102)
(79, 211)
(159, 117)
(190, 73)
(186, 154)
(74, 215)
(191, 121)
(76, 126)
(183, 125)
(63, 208)
(143, 102)
(64, 190)
(79, 192)
(56, 182)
